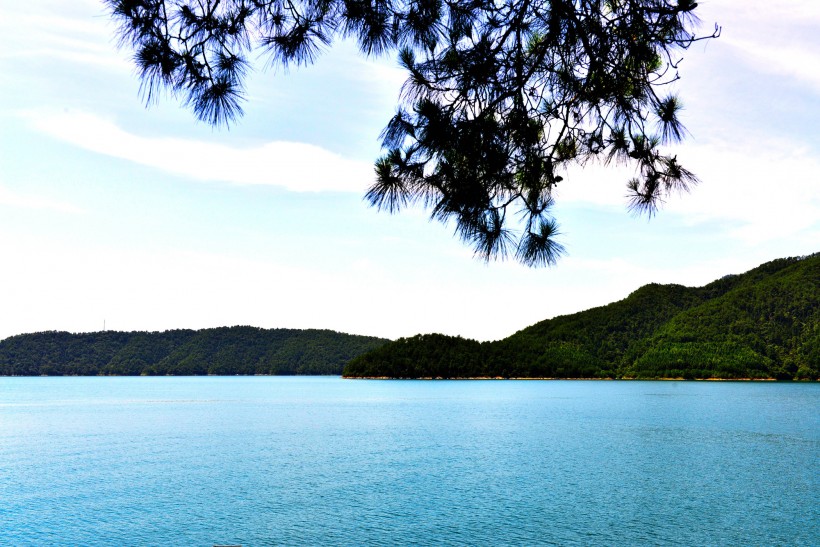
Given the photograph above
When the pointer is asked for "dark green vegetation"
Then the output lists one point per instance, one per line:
(761, 324)
(226, 350)
(502, 97)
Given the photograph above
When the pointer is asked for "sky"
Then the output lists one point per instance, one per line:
(118, 216)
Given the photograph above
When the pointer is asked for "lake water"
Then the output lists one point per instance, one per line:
(326, 461)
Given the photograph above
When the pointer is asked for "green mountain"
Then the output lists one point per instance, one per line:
(225, 350)
(764, 323)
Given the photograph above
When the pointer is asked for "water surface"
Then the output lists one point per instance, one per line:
(320, 460)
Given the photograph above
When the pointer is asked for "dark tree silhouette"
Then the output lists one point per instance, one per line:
(501, 96)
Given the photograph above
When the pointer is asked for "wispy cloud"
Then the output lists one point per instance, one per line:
(792, 60)
(772, 38)
(769, 194)
(81, 35)
(295, 166)
(12, 198)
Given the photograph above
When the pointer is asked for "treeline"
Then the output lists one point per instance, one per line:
(222, 351)
(761, 324)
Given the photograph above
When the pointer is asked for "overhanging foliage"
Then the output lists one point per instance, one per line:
(502, 96)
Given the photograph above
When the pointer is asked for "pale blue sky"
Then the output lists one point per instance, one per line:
(149, 220)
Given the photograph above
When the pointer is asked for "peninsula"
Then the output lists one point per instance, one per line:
(763, 324)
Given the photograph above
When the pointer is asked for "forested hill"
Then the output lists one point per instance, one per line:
(225, 350)
(764, 323)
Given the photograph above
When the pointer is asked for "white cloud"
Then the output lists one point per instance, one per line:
(164, 289)
(794, 60)
(773, 193)
(769, 193)
(295, 166)
(11, 198)
(81, 34)
(764, 15)
(772, 37)
(595, 184)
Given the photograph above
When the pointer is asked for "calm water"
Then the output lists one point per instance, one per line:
(307, 461)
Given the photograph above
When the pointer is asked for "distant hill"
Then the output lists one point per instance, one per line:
(225, 350)
(764, 323)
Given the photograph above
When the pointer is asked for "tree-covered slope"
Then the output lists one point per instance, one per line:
(422, 356)
(767, 325)
(764, 323)
(225, 350)
(600, 335)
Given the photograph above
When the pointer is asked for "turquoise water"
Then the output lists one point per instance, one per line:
(326, 461)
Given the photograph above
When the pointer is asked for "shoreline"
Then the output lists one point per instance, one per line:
(482, 378)
(426, 378)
